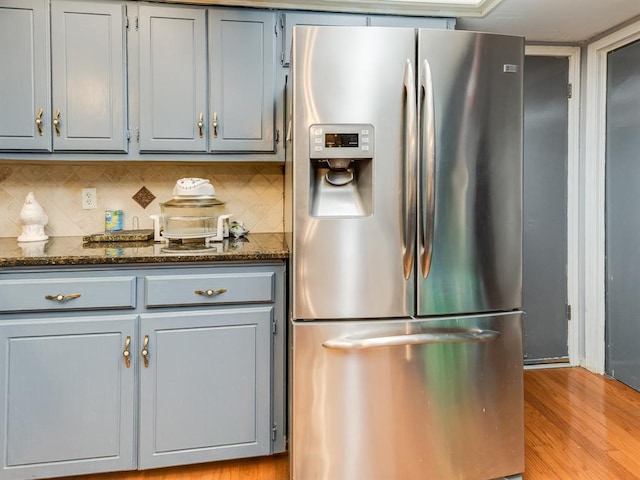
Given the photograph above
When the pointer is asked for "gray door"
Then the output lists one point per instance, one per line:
(24, 75)
(242, 73)
(623, 215)
(205, 390)
(545, 208)
(67, 398)
(88, 75)
(173, 78)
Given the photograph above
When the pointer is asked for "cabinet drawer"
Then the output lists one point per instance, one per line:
(210, 289)
(67, 294)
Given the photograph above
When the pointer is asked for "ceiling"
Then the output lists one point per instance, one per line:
(555, 21)
(551, 21)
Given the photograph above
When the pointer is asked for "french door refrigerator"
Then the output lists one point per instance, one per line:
(403, 209)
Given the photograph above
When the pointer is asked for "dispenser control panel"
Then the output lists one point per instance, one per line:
(354, 140)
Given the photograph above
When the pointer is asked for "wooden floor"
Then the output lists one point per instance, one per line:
(578, 426)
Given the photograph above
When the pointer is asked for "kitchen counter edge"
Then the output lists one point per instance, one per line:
(59, 251)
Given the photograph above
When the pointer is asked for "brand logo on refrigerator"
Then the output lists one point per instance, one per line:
(510, 68)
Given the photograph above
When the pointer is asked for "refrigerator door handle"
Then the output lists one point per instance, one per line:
(410, 161)
(437, 336)
(428, 167)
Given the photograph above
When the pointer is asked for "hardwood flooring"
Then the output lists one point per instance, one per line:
(578, 426)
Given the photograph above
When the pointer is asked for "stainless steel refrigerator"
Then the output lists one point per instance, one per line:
(403, 209)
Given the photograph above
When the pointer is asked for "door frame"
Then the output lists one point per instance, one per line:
(594, 193)
(573, 190)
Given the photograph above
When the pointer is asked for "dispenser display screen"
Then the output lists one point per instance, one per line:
(336, 140)
(339, 140)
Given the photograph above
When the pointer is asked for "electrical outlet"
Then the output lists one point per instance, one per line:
(89, 199)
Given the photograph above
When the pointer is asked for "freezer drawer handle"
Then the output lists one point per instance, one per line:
(442, 336)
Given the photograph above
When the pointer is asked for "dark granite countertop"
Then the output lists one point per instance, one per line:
(75, 251)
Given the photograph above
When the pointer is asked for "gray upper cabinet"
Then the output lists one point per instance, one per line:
(412, 22)
(290, 19)
(242, 80)
(79, 76)
(24, 76)
(173, 78)
(88, 76)
(176, 112)
(87, 71)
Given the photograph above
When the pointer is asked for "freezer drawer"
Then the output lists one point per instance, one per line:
(408, 399)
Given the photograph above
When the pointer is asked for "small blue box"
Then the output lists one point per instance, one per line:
(113, 220)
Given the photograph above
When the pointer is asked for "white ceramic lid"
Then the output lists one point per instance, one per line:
(193, 188)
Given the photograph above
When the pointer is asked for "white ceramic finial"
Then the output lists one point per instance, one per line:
(33, 219)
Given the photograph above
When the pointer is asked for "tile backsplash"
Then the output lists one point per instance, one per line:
(253, 193)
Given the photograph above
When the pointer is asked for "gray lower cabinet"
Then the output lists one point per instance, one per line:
(205, 386)
(112, 369)
(68, 399)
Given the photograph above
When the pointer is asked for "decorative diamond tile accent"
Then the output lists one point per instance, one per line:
(144, 197)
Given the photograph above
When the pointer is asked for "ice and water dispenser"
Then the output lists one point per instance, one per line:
(341, 173)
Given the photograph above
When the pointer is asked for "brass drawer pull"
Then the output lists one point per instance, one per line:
(56, 122)
(210, 292)
(145, 351)
(61, 297)
(39, 121)
(126, 353)
(201, 124)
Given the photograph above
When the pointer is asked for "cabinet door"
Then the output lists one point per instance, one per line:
(242, 70)
(205, 392)
(412, 22)
(66, 396)
(24, 75)
(173, 62)
(88, 76)
(291, 19)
